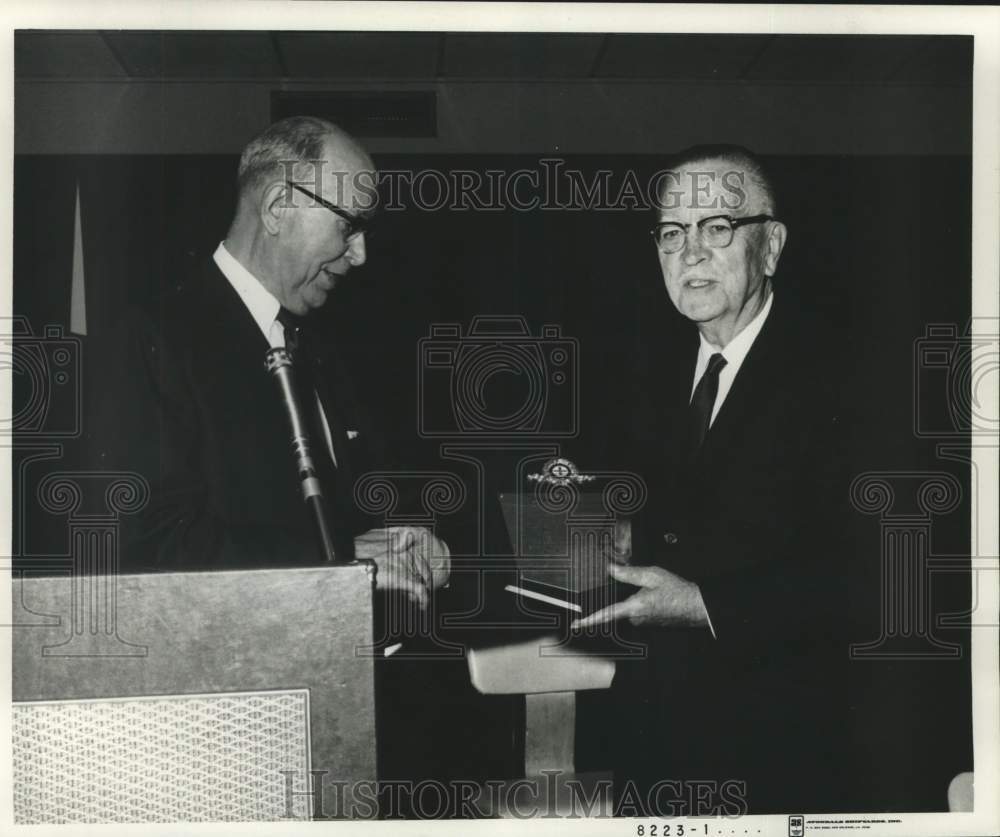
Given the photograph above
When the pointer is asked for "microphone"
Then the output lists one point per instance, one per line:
(278, 362)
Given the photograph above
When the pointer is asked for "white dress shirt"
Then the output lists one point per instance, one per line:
(263, 307)
(735, 353)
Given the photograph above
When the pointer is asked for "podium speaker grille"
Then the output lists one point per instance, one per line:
(177, 758)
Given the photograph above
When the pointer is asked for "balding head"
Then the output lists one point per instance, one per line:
(305, 189)
(295, 149)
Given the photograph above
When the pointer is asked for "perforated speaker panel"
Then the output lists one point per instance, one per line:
(178, 758)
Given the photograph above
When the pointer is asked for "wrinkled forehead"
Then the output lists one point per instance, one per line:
(707, 187)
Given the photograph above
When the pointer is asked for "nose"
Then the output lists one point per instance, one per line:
(356, 252)
(694, 248)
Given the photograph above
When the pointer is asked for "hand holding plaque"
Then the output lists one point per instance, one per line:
(664, 599)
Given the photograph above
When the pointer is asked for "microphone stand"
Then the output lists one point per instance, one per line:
(279, 364)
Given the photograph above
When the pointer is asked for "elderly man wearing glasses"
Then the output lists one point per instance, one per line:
(734, 557)
(206, 425)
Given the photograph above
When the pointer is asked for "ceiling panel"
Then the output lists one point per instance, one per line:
(63, 55)
(196, 54)
(530, 56)
(379, 55)
(833, 59)
(408, 56)
(679, 56)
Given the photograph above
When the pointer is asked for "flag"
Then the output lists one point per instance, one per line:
(78, 298)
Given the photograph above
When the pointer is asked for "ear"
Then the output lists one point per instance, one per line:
(773, 245)
(275, 201)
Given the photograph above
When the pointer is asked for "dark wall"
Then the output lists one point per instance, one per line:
(880, 246)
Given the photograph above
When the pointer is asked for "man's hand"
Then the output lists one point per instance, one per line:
(621, 552)
(410, 559)
(665, 599)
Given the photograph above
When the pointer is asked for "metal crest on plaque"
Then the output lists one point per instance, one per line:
(561, 472)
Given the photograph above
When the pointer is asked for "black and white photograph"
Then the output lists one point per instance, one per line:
(565, 418)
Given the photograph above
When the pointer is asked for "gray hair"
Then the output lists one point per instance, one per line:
(739, 156)
(281, 146)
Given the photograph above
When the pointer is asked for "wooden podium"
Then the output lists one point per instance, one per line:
(263, 675)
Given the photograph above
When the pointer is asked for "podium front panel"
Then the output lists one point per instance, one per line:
(210, 633)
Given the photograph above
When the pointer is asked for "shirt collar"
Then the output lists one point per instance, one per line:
(736, 351)
(737, 348)
(260, 302)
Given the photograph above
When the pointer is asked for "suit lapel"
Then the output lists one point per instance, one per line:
(674, 416)
(337, 396)
(227, 341)
(750, 390)
(228, 329)
(235, 333)
(234, 346)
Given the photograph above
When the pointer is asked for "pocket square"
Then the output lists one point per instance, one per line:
(352, 434)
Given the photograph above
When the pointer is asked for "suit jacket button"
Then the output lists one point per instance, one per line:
(670, 538)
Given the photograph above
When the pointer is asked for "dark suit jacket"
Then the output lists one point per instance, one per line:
(203, 423)
(201, 420)
(754, 519)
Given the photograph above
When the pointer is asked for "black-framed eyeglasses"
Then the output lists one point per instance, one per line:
(356, 225)
(716, 231)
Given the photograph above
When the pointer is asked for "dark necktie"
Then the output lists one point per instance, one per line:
(292, 323)
(703, 401)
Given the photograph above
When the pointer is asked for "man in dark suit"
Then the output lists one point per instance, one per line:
(200, 417)
(205, 424)
(737, 435)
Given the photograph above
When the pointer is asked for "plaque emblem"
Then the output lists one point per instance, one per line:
(560, 471)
